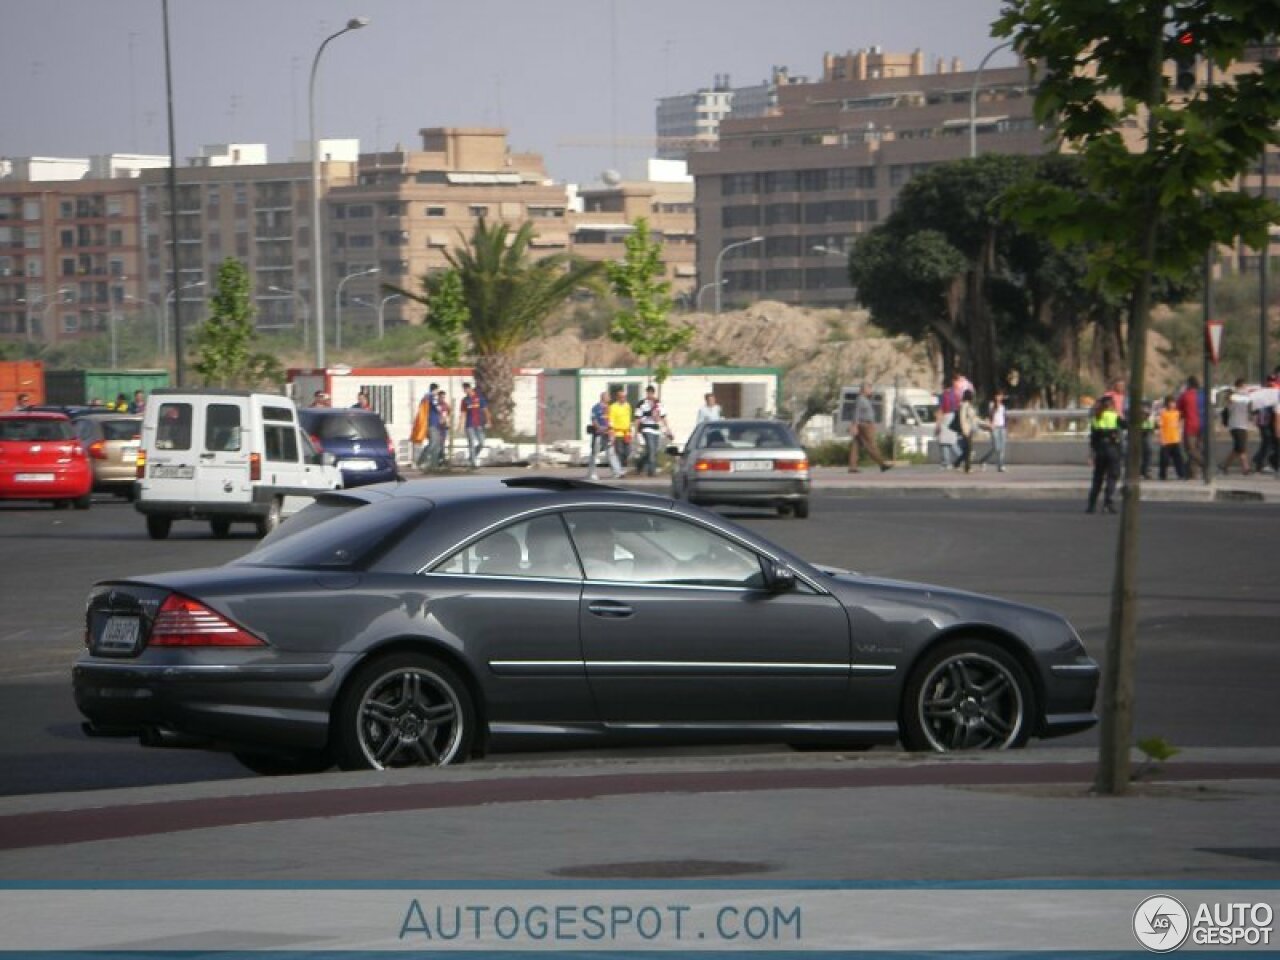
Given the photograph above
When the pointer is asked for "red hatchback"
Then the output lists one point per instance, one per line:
(41, 458)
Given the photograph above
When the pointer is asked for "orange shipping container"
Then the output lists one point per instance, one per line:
(20, 376)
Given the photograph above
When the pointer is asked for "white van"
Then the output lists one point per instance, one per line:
(908, 414)
(225, 456)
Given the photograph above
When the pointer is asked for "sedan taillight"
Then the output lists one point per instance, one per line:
(717, 465)
(182, 622)
(791, 465)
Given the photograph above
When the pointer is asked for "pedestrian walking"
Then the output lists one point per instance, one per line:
(600, 434)
(1263, 403)
(430, 429)
(966, 425)
(1236, 418)
(1170, 421)
(139, 403)
(862, 432)
(710, 410)
(620, 429)
(475, 421)
(651, 426)
(997, 424)
(1104, 445)
(1191, 407)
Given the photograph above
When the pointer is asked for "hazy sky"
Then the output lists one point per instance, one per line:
(575, 80)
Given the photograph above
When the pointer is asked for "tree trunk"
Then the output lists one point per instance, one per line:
(495, 378)
(982, 331)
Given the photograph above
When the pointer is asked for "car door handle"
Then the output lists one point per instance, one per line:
(207, 456)
(610, 609)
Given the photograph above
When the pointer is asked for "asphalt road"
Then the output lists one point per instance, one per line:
(1209, 645)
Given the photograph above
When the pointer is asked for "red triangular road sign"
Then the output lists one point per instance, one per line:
(1213, 339)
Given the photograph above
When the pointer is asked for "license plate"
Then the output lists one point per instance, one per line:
(34, 478)
(163, 471)
(120, 635)
(358, 465)
(747, 466)
(129, 453)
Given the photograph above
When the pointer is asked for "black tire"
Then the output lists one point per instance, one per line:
(967, 694)
(221, 528)
(286, 764)
(801, 509)
(403, 710)
(158, 527)
(83, 503)
(60, 504)
(268, 523)
(784, 509)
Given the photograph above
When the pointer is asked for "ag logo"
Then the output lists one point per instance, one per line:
(1161, 923)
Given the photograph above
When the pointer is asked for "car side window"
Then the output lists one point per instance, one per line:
(538, 548)
(644, 547)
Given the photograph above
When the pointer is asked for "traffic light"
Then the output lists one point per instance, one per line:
(1184, 61)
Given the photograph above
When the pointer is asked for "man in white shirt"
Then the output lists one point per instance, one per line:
(710, 410)
(1238, 420)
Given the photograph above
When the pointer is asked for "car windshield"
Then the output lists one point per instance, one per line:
(350, 427)
(31, 429)
(344, 539)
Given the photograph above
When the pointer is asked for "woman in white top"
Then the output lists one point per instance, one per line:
(997, 424)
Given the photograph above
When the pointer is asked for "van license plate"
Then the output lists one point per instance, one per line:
(163, 471)
(740, 466)
(119, 636)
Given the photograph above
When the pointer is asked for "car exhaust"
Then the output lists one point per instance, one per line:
(164, 737)
(91, 729)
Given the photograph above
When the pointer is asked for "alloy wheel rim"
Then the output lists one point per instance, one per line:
(971, 702)
(409, 717)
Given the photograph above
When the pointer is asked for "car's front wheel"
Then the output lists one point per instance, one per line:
(968, 694)
(404, 710)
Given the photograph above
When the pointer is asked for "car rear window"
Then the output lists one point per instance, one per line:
(121, 429)
(349, 535)
(350, 427)
(32, 429)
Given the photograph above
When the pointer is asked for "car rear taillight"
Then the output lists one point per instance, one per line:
(719, 465)
(182, 622)
(140, 471)
(255, 467)
(98, 450)
(391, 446)
(791, 464)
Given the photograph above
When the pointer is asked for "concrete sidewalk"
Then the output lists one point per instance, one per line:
(1024, 482)
(755, 815)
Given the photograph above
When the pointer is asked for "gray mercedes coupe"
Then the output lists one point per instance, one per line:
(429, 621)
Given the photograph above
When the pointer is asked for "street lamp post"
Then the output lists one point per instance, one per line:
(973, 98)
(697, 300)
(337, 303)
(57, 299)
(171, 299)
(719, 284)
(382, 305)
(306, 314)
(317, 272)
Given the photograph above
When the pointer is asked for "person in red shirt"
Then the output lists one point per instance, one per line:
(1190, 405)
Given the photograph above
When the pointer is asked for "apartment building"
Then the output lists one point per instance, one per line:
(688, 122)
(70, 251)
(783, 196)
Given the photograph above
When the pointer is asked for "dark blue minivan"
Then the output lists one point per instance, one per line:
(357, 439)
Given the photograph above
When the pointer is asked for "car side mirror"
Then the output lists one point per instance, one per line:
(778, 577)
(672, 450)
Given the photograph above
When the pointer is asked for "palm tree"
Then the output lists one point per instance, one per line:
(508, 297)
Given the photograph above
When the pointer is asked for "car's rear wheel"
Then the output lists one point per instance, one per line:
(221, 527)
(83, 503)
(801, 509)
(158, 527)
(404, 710)
(269, 522)
(968, 694)
(286, 764)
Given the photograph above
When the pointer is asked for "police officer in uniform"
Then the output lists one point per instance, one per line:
(1104, 440)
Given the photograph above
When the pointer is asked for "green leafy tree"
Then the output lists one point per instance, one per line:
(643, 324)
(223, 344)
(447, 317)
(508, 296)
(1153, 212)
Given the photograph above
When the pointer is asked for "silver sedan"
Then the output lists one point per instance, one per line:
(743, 463)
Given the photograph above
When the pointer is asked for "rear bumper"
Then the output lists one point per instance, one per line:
(66, 484)
(746, 492)
(269, 705)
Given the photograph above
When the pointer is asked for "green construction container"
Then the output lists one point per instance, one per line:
(75, 387)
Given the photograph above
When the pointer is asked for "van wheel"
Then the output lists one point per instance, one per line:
(158, 527)
(221, 528)
(271, 520)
